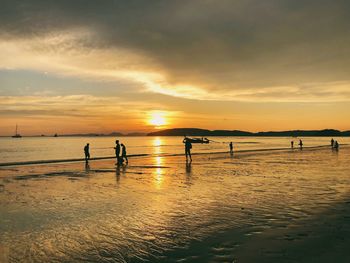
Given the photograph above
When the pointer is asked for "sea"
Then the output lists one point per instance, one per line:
(26, 149)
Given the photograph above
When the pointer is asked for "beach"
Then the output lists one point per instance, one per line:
(254, 206)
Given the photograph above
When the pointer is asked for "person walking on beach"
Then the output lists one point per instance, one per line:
(301, 144)
(231, 147)
(292, 144)
(117, 151)
(336, 145)
(124, 154)
(332, 143)
(188, 147)
(87, 152)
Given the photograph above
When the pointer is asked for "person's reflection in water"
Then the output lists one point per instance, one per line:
(87, 167)
(335, 148)
(188, 173)
(124, 168)
(188, 168)
(117, 173)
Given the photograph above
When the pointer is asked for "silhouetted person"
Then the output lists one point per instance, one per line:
(332, 143)
(117, 151)
(292, 144)
(231, 147)
(87, 152)
(301, 144)
(124, 154)
(188, 147)
(336, 145)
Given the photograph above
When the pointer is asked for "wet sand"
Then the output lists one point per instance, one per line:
(276, 206)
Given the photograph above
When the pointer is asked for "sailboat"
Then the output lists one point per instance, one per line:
(17, 135)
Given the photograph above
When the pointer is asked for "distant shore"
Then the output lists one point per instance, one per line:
(291, 133)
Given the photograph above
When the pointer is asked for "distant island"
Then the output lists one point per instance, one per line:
(293, 133)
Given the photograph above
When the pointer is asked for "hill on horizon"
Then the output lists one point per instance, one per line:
(291, 133)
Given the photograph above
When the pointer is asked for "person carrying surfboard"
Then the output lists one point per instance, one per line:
(188, 147)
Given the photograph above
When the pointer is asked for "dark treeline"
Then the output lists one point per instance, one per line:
(204, 132)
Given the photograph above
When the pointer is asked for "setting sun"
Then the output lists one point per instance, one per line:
(157, 119)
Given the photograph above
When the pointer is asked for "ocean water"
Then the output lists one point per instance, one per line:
(49, 148)
(273, 206)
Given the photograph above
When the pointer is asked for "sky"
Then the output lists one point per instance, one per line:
(137, 66)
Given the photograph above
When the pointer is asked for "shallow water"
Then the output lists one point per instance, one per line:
(49, 148)
(218, 209)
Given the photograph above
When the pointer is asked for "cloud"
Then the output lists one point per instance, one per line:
(232, 50)
(78, 106)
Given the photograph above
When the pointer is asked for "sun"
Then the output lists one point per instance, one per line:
(157, 119)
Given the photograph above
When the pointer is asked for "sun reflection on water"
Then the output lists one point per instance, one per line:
(157, 143)
(158, 174)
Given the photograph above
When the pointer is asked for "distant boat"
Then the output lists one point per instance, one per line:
(197, 140)
(17, 135)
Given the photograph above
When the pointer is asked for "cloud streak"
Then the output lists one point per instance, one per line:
(235, 50)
